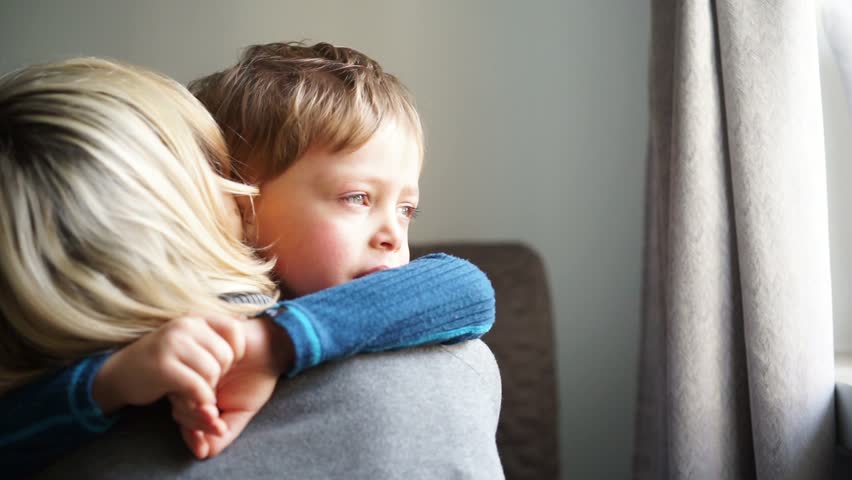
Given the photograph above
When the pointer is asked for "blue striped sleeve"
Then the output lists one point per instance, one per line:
(47, 417)
(437, 298)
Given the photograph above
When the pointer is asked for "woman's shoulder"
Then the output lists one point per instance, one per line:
(418, 413)
(476, 356)
(442, 374)
(426, 412)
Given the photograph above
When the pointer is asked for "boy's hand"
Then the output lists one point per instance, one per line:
(246, 387)
(185, 357)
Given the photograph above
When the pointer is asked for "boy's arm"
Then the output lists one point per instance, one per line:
(49, 416)
(434, 299)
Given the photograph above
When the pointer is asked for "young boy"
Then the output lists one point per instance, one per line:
(335, 146)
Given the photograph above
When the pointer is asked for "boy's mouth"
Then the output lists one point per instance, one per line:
(372, 270)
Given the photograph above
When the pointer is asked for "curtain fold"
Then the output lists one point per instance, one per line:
(736, 368)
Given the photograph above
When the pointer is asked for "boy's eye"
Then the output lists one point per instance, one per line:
(408, 211)
(356, 199)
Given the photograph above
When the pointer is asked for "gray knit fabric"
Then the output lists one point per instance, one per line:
(422, 413)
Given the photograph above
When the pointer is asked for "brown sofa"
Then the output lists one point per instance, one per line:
(522, 341)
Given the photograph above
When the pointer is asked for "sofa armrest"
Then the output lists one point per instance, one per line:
(522, 342)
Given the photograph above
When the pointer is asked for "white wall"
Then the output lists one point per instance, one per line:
(536, 126)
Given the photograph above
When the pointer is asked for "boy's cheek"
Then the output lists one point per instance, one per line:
(322, 258)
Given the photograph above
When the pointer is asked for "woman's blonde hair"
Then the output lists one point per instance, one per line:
(112, 218)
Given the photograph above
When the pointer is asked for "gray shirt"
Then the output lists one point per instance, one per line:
(421, 413)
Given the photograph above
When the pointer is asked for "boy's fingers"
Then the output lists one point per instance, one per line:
(236, 422)
(231, 331)
(220, 348)
(199, 419)
(194, 439)
(210, 415)
(192, 423)
(182, 402)
(188, 384)
(199, 359)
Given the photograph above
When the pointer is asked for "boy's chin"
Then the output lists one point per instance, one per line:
(369, 272)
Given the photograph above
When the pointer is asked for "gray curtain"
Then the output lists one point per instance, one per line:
(737, 370)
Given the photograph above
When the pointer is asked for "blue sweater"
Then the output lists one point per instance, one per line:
(435, 299)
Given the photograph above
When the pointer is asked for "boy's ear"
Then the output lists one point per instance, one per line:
(246, 205)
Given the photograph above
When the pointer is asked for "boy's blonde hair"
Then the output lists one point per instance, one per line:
(111, 219)
(281, 99)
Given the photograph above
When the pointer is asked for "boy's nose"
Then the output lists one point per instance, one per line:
(389, 236)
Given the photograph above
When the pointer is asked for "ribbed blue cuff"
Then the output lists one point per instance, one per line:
(83, 407)
(306, 343)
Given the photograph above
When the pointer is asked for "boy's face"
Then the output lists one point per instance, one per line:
(334, 217)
